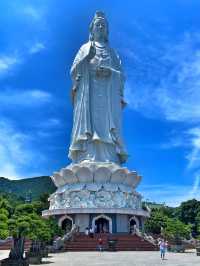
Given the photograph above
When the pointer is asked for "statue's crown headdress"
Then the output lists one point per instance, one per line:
(99, 14)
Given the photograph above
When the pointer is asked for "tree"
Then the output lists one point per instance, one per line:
(5, 205)
(19, 228)
(26, 223)
(171, 228)
(24, 209)
(42, 203)
(197, 220)
(39, 228)
(176, 230)
(167, 211)
(155, 222)
(4, 223)
(187, 213)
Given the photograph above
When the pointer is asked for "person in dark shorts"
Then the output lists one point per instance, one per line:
(100, 244)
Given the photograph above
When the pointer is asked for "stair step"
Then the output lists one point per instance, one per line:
(125, 242)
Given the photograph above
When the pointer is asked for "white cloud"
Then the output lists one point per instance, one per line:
(52, 122)
(7, 63)
(177, 96)
(31, 12)
(171, 195)
(36, 48)
(17, 51)
(8, 170)
(175, 142)
(16, 97)
(48, 127)
(10, 61)
(16, 152)
(174, 98)
(193, 156)
(190, 141)
(195, 191)
(38, 95)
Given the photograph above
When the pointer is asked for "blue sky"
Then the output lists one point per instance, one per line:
(159, 44)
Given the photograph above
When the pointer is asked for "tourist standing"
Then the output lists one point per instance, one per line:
(100, 244)
(162, 246)
(86, 231)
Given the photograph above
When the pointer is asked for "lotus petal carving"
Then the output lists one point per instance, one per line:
(93, 172)
(68, 176)
(57, 179)
(118, 176)
(102, 175)
(84, 175)
(137, 181)
(131, 179)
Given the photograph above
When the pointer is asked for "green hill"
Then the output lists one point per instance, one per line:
(36, 186)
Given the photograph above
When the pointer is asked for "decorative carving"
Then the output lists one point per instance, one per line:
(95, 196)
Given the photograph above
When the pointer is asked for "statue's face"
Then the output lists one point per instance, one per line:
(99, 29)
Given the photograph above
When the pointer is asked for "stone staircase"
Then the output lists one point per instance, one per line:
(125, 242)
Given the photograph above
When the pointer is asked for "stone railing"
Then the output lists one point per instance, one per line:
(146, 237)
(59, 243)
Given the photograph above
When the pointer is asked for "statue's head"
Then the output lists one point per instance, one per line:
(99, 27)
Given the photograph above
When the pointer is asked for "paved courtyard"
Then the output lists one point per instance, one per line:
(120, 259)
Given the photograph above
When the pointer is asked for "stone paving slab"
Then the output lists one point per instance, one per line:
(4, 254)
(132, 258)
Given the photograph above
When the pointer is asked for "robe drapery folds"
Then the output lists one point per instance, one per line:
(96, 133)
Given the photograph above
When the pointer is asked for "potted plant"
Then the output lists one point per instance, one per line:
(34, 255)
(44, 250)
(40, 234)
(198, 247)
(19, 229)
(112, 243)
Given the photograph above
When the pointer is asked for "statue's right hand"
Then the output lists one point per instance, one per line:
(92, 52)
(73, 93)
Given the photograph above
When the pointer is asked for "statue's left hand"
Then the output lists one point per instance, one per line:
(75, 87)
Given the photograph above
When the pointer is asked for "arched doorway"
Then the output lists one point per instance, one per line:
(102, 224)
(133, 225)
(66, 223)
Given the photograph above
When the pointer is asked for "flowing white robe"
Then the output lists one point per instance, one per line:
(96, 133)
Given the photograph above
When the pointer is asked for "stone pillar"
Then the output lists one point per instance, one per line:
(82, 220)
(142, 220)
(122, 223)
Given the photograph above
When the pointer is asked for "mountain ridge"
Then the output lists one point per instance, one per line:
(34, 186)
